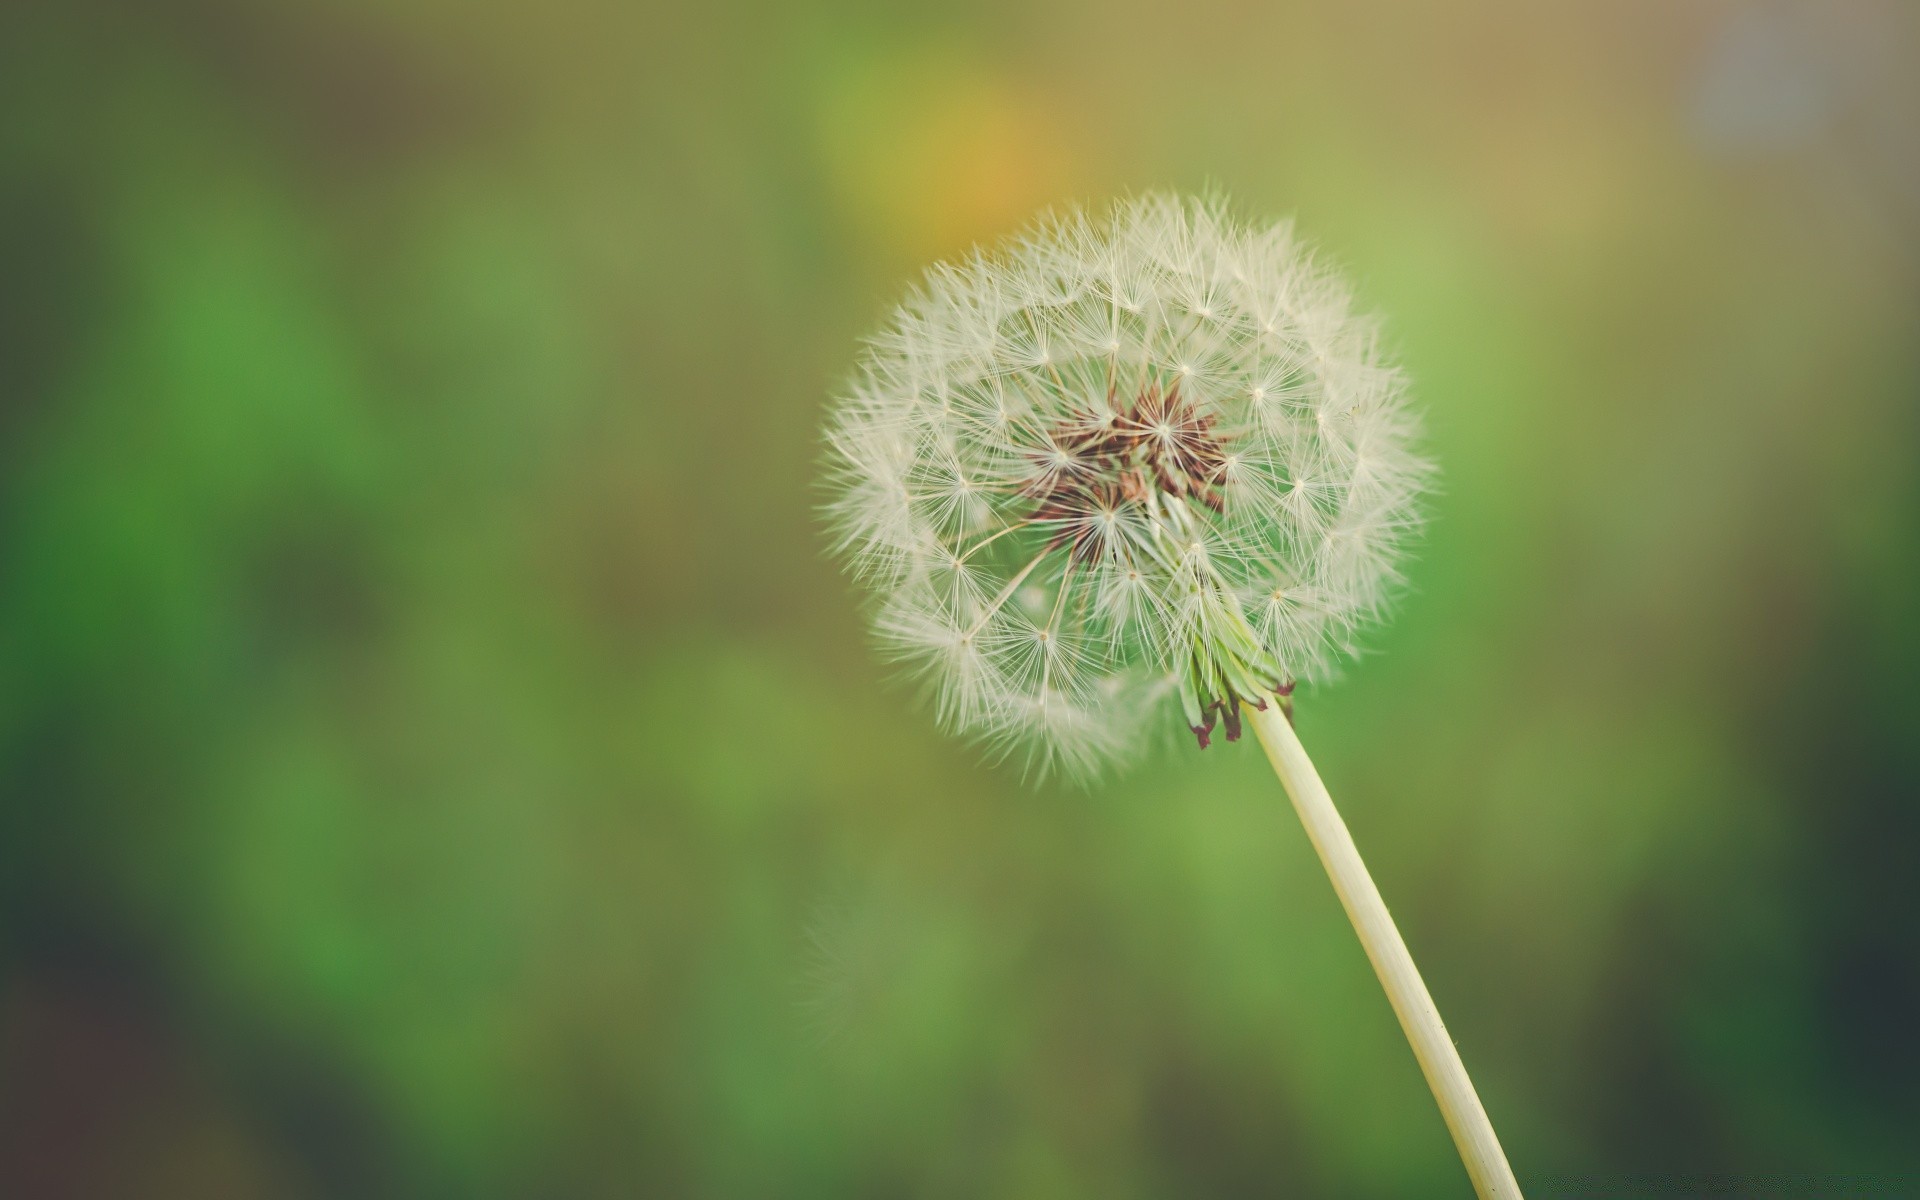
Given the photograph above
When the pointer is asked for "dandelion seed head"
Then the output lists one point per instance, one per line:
(1122, 466)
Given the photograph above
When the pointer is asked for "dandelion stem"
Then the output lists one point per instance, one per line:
(1459, 1104)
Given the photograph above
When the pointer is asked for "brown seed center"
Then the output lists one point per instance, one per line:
(1096, 465)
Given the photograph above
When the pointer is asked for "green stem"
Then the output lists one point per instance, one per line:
(1460, 1105)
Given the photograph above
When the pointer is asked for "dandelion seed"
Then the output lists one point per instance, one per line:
(1147, 393)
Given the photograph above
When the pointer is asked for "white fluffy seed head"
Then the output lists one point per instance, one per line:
(1120, 463)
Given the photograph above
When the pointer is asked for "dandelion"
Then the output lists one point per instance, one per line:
(1156, 462)
(1124, 467)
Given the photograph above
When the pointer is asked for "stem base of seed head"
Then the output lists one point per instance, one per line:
(1439, 1059)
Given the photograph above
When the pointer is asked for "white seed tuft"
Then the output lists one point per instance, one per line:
(1120, 466)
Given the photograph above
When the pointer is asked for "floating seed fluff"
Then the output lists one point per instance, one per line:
(1149, 462)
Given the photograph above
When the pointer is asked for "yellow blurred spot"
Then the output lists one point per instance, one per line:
(929, 152)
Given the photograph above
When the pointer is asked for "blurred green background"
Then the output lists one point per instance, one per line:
(436, 758)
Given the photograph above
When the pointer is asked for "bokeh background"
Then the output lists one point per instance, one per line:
(437, 760)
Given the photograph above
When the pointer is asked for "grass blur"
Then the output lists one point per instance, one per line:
(436, 758)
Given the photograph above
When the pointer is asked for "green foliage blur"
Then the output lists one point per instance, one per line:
(438, 760)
